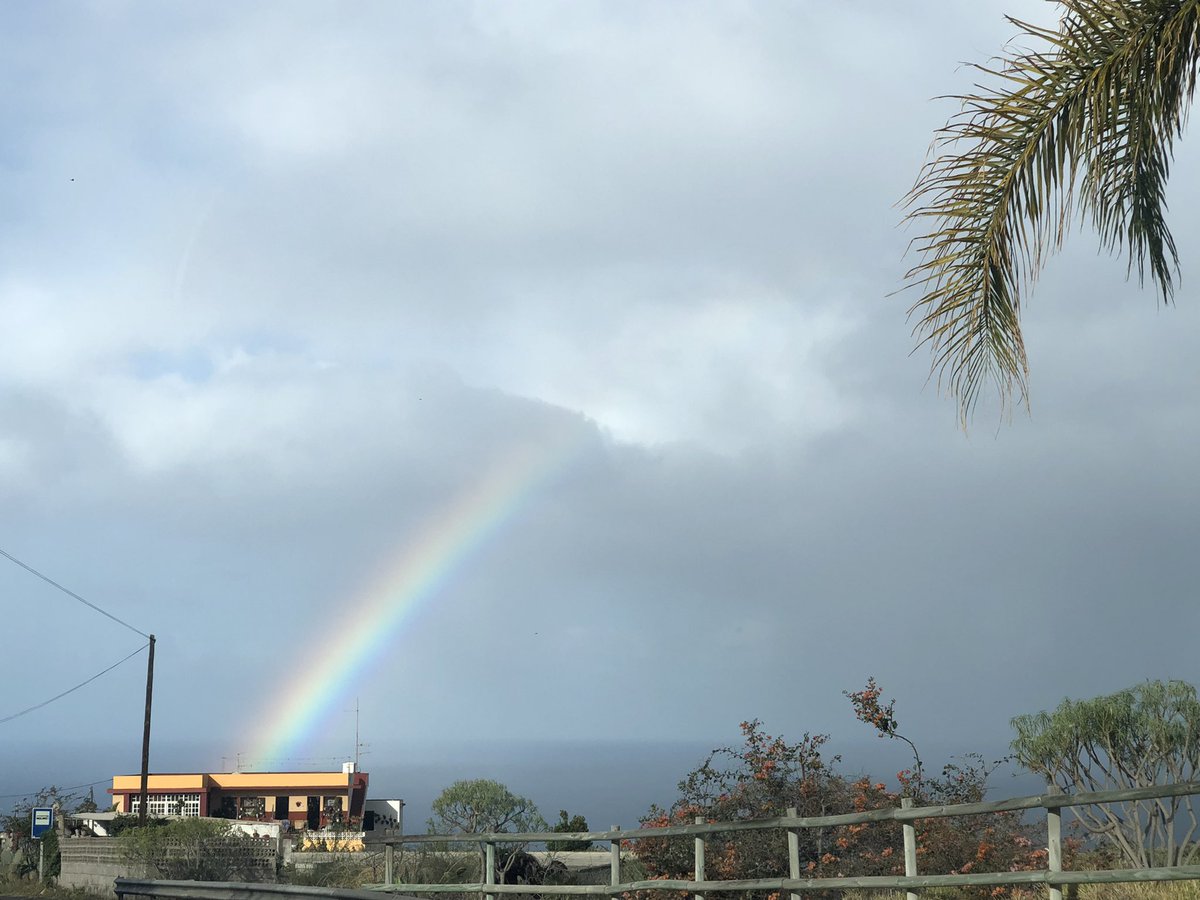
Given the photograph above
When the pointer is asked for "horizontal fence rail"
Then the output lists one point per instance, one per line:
(1053, 802)
(898, 814)
(223, 890)
(872, 882)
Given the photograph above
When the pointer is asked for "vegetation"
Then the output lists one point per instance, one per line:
(565, 824)
(483, 806)
(882, 718)
(364, 868)
(192, 849)
(768, 775)
(23, 888)
(18, 822)
(1084, 122)
(426, 864)
(762, 778)
(1144, 735)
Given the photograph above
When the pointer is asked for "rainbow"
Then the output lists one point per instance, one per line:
(421, 569)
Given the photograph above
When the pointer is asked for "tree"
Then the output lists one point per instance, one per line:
(483, 806)
(565, 824)
(1085, 121)
(1145, 735)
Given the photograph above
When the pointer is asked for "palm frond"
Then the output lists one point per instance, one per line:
(1094, 110)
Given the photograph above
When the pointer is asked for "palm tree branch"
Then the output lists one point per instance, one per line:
(1107, 93)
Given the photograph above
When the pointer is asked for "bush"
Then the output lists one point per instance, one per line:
(336, 873)
(767, 775)
(192, 850)
(52, 856)
(759, 780)
(565, 824)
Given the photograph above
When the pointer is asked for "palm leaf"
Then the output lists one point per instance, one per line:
(1093, 111)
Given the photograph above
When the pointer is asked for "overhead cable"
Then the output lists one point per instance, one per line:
(74, 689)
(71, 593)
(62, 790)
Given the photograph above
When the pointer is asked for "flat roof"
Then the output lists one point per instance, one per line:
(243, 781)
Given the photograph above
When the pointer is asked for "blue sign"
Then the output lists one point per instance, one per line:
(43, 821)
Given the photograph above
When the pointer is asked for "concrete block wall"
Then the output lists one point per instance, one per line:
(307, 860)
(93, 863)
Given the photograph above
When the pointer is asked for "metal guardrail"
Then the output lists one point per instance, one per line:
(1053, 876)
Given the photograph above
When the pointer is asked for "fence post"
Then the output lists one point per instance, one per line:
(389, 852)
(614, 859)
(699, 855)
(910, 846)
(489, 875)
(793, 838)
(1054, 840)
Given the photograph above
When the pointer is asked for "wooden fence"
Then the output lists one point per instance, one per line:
(1053, 876)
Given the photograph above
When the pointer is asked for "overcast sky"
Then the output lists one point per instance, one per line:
(280, 281)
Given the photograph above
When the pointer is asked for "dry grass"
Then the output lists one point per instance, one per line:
(1163, 890)
(31, 887)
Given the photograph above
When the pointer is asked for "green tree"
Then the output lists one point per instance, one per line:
(482, 806)
(1145, 735)
(568, 824)
(1082, 123)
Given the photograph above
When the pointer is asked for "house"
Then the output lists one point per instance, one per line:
(302, 799)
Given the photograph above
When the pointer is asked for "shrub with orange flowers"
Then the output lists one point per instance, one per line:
(760, 779)
(766, 775)
(995, 842)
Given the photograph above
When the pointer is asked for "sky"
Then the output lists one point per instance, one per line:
(530, 377)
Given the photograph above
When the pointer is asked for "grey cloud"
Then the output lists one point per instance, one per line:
(317, 271)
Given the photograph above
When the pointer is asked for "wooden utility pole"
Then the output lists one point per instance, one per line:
(143, 801)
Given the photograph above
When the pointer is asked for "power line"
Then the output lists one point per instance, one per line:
(71, 593)
(62, 790)
(74, 689)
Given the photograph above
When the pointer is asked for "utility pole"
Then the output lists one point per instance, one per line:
(143, 802)
(356, 744)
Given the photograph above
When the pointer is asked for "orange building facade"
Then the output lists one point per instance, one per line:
(303, 799)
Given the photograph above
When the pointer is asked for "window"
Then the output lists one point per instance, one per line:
(251, 807)
(167, 804)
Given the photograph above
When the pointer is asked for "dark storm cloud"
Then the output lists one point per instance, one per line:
(317, 271)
